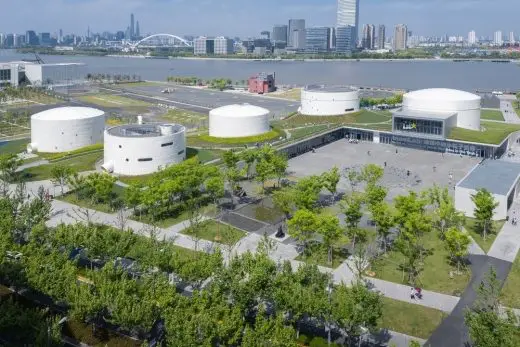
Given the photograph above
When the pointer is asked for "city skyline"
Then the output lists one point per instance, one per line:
(230, 18)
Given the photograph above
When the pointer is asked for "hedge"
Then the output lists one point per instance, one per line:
(271, 135)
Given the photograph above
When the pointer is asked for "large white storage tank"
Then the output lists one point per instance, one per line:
(65, 129)
(322, 100)
(238, 121)
(466, 105)
(141, 149)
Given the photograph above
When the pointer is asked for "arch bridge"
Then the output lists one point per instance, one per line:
(163, 40)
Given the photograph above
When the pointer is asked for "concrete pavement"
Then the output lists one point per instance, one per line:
(506, 106)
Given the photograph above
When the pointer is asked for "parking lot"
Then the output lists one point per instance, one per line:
(425, 168)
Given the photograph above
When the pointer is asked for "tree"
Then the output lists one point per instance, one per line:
(60, 175)
(356, 308)
(446, 216)
(328, 227)
(413, 224)
(283, 200)
(302, 227)
(264, 171)
(351, 207)
(306, 192)
(249, 156)
(9, 164)
(487, 327)
(279, 166)
(330, 181)
(270, 332)
(485, 206)
(457, 243)
(383, 217)
(231, 159)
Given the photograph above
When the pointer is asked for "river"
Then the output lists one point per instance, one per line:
(469, 76)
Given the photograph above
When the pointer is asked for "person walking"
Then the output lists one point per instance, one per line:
(412, 293)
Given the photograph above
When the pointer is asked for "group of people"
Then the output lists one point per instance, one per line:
(416, 293)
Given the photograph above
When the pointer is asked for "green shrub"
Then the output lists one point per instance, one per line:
(63, 155)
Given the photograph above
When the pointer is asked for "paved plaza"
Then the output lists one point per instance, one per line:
(426, 168)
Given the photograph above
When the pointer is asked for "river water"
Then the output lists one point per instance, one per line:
(469, 76)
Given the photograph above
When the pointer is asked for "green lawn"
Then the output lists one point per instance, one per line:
(203, 154)
(492, 132)
(371, 118)
(317, 254)
(436, 274)
(13, 129)
(475, 234)
(290, 94)
(187, 118)
(510, 296)
(492, 115)
(170, 220)
(410, 319)
(206, 140)
(109, 100)
(80, 163)
(88, 203)
(14, 147)
(212, 230)
(301, 133)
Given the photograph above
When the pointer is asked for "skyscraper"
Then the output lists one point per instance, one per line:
(498, 40)
(137, 30)
(512, 38)
(472, 37)
(381, 37)
(279, 33)
(317, 39)
(348, 14)
(369, 33)
(400, 37)
(132, 27)
(295, 25)
(345, 39)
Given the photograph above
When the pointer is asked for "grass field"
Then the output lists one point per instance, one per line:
(109, 100)
(493, 133)
(214, 231)
(9, 129)
(189, 119)
(300, 133)
(171, 220)
(490, 238)
(290, 94)
(509, 296)
(206, 140)
(80, 163)
(436, 274)
(87, 203)
(371, 119)
(318, 255)
(410, 319)
(14, 147)
(492, 115)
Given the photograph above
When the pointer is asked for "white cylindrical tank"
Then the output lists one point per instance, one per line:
(141, 149)
(466, 105)
(321, 100)
(238, 121)
(65, 129)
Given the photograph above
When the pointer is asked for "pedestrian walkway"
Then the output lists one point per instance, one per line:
(507, 242)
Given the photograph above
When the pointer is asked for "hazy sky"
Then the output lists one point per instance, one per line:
(249, 17)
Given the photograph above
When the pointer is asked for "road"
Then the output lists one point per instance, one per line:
(506, 106)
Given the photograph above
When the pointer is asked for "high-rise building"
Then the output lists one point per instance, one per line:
(9, 41)
(400, 37)
(31, 38)
(345, 39)
(498, 39)
(60, 36)
(294, 25)
(472, 38)
(132, 27)
(369, 36)
(298, 39)
(348, 15)
(213, 46)
(512, 38)
(317, 39)
(137, 30)
(332, 38)
(381, 37)
(279, 33)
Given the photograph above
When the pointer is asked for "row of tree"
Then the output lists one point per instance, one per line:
(392, 100)
(215, 83)
(112, 78)
(10, 93)
(248, 302)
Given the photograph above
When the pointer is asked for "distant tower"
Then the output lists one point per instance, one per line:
(381, 37)
(400, 37)
(132, 27)
(348, 15)
(137, 30)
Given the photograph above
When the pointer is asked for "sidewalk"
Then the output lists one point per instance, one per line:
(507, 243)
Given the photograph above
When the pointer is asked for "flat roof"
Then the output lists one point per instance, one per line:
(329, 89)
(143, 130)
(423, 114)
(68, 113)
(497, 176)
